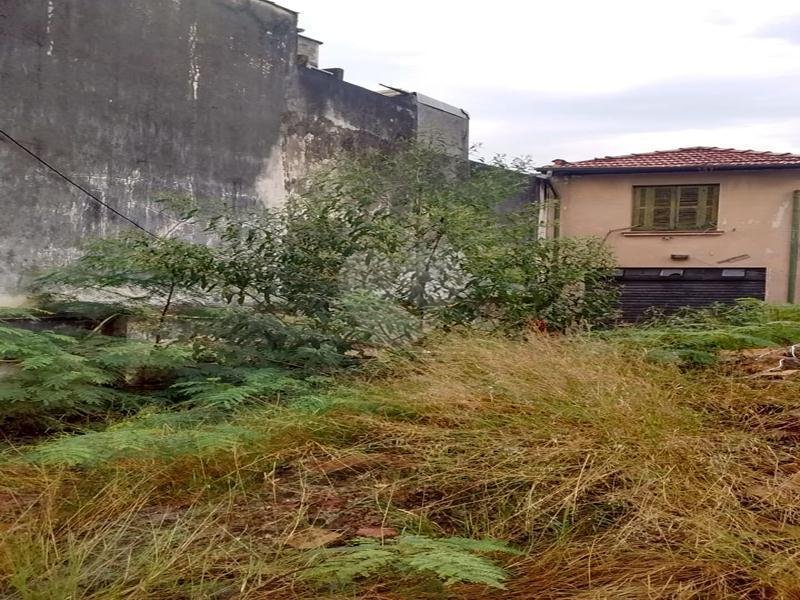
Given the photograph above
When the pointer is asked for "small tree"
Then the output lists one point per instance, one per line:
(438, 246)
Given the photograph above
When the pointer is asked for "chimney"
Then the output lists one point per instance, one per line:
(336, 72)
(307, 50)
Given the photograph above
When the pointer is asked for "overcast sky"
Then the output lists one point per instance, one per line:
(582, 78)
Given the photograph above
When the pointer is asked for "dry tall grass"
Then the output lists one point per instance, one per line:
(617, 478)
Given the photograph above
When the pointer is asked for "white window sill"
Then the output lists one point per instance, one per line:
(671, 233)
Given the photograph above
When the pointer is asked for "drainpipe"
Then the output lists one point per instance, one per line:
(793, 247)
(544, 217)
(549, 212)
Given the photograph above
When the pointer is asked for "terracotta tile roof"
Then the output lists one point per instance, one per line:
(696, 158)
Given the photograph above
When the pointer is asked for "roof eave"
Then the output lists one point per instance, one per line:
(684, 169)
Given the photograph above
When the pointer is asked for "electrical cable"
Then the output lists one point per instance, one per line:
(39, 159)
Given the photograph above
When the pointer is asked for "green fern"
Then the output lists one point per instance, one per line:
(451, 560)
(20, 343)
(49, 376)
(257, 384)
(13, 313)
(140, 441)
(45, 375)
(125, 356)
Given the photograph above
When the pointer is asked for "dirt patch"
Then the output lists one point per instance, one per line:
(312, 538)
(762, 363)
(353, 464)
(13, 505)
(334, 496)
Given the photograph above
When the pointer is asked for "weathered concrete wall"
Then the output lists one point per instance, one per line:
(134, 99)
(443, 125)
(754, 221)
(144, 98)
(321, 122)
(308, 51)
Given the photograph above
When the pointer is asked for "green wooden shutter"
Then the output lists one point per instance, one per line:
(702, 220)
(712, 206)
(663, 207)
(691, 212)
(675, 207)
(642, 208)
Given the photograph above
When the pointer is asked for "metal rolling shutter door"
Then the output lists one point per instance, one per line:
(671, 289)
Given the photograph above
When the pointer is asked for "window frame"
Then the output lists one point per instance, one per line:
(712, 211)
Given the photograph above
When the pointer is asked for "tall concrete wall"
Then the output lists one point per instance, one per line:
(143, 98)
(134, 100)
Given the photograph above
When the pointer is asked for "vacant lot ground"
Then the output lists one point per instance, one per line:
(603, 474)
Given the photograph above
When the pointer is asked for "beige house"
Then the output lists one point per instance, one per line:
(689, 226)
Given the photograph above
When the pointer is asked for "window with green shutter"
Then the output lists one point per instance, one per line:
(675, 207)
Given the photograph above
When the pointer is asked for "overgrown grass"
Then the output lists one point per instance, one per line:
(695, 337)
(615, 477)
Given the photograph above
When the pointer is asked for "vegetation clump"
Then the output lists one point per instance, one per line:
(376, 249)
(696, 337)
(498, 443)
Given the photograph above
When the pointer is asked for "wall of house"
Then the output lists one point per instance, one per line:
(754, 221)
(142, 99)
